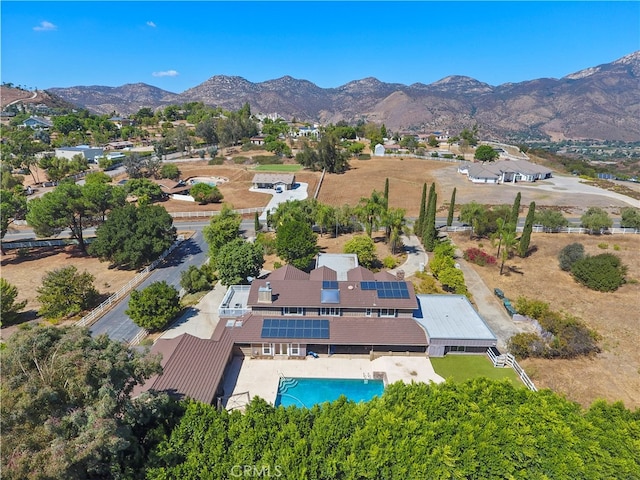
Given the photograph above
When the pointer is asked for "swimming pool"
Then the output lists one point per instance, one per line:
(306, 392)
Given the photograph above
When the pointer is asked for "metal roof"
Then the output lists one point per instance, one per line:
(451, 316)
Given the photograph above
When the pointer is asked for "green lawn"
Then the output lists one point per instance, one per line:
(464, 367)
(278, 168)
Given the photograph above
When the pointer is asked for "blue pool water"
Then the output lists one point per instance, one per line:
(306, 392)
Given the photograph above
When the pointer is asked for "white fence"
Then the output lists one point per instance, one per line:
(508, 360)
(212, 213)
(613, 231)
(97, 312)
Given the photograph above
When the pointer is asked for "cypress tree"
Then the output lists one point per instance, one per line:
(515, 211)
(387, 230)
(256, 223)
(386, 194)
(525, 239)
(417, 227)
(429, 237)
(452, 206)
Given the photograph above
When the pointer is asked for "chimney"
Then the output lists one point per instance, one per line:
(400, 275)
(264, 294)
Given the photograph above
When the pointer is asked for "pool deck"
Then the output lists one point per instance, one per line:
(260, 377)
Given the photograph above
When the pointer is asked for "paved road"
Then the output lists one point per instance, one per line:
(116, 324)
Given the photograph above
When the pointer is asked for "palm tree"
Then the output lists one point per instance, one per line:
(509, 242)
(370, 211)
(397, 223)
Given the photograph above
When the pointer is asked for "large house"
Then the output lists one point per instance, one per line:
(504, 171)
(292, 314)
(37, 123)
(286, 181)
(91, 154)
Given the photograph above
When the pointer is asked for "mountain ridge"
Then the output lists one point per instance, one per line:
(601, 102)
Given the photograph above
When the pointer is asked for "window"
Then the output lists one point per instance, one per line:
(367, 312)
(293, 311)
(266, 349)
(295, 349)
(387, 312)
(330, 311)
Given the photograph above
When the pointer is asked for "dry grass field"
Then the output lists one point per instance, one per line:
(614, 374)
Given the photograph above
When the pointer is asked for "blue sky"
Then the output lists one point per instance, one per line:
(177, 45)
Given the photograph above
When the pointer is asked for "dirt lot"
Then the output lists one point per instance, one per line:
(614, 374)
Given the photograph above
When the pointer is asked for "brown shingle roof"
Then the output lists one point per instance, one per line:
(288, 272)
(323, 273)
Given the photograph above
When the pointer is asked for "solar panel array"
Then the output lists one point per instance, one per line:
(387, 289)
(330, 284)
(295, 328)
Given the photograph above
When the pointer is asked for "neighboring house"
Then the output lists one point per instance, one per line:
(307, 131)
(257, 140)
(90, 153)
(37, 123)
(6, 117)
(171, 187)
(291, 313)
(121, 122)
(285, 181)
(504, 171)
(379, 150)
(119, 145)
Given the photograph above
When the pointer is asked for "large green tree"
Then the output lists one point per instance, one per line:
(370, 211)
(203, 193)
(630, 218)
(65, 291)
(9, 308)
(67, 410)
(222, 229)
(430, 235)
(155, 306)
(71, 206)
(452, 207)
(239, 260)
(296, 243)
(134, 236)
(596, 219)
(550, 219)
(13, 206)
(485, 153)
(19, 149)
(525, 238)
(329, 155)
(365, 248)
(418, 225)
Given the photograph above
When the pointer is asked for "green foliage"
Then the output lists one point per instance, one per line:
(238, 260)
(364, 247)
(596, 219)
(296, 243)
(485, 153)
(515, 210)
(57, 168)
(155, 306)
(370, 211)
(389, 262)
(9, 308)
(452, 206)
(267, 242)
(204, 193)
(222, 229)
(630, 218)
(603, 245)
(604, 272)
(475, 429)
(13, 205)
(64, 292)
(525, 345)
(418, 226)
(452, 280)
(427, 283)
(569, 255)
(170, 170)
(67, 410)
(525, 238)
(195, 279)
(143, 188)
(328, 156)
(430, 235)
(550, 219)
(134, 236)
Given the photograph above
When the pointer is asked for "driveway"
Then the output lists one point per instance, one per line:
(298, 192)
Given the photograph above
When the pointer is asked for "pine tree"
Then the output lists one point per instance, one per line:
(525, 239)
(417, 228)
(452, 206)
(515, 211)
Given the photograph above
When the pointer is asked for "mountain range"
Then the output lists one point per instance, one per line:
(601, 102)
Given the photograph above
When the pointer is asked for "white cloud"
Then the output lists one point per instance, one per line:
(151, 24)
(166, 73)
(45, 27)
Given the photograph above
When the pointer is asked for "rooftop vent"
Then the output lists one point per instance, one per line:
(265, 295)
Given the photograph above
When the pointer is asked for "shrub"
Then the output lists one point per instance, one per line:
(268, 243)
(603, 246)
(524, 345)
(389, 262)
(616, 247)
(532, 308)
(267, 160)
(364, 156)
(170, 170)
(569, 255)
(195, 279)
(204, 193)
(479, 257)
(604, 272)
(240, 160)
(153, 307)
(427, 283)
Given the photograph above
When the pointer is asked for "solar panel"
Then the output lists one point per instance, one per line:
(330, 284)
(391, 289)
(295, 328)
(368, 285)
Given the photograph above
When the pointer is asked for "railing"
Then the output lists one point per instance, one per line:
(539, 229)
(138, 338)
(97, 312)
(508, 360)
(315, 195)
(212, 213)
